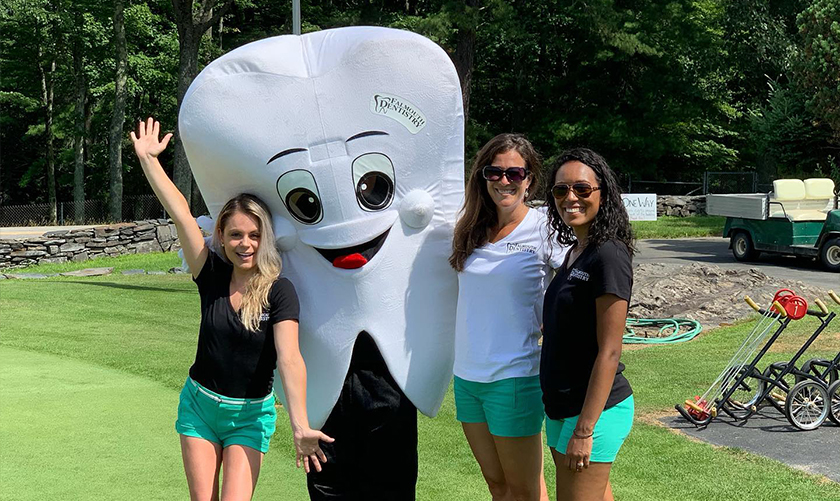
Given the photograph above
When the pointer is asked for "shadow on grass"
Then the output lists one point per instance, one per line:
(128, 287)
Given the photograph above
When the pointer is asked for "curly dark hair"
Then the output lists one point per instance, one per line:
(479, 212)
(610, 222)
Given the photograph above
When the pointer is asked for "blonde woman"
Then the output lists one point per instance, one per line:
(249, 326)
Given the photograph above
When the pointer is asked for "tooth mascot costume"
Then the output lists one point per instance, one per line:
(354, 139)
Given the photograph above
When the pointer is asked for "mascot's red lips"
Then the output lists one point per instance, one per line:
(351, 258)
(350, 262)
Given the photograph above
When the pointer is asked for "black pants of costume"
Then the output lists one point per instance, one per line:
(374, 456)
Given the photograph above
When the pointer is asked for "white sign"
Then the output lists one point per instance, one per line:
(640, 206)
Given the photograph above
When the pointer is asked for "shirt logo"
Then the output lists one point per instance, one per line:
(580, 275)
(515, 247)
(264, 317)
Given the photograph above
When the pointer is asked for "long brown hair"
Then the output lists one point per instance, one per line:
(479, 212)
(267, 259)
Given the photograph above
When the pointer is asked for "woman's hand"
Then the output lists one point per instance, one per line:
(308, 450)
(578, 452)
(146, 143)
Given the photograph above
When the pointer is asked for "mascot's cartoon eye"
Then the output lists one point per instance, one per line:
(299, 192)
(373, 174)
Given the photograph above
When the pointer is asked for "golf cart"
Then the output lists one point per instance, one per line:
(799, 218)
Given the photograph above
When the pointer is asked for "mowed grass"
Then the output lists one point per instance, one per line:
(91, 370)
(679, 227)
(156, 261)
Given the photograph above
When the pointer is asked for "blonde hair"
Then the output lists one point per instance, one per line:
(267, 261)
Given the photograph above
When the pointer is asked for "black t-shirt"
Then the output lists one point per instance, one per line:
(230, 360)
(570, 344)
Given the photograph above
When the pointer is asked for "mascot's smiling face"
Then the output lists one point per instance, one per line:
(354, 139)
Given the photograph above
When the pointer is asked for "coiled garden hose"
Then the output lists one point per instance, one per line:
(681, 329)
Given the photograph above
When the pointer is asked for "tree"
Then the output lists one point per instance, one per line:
(819, 25)
(192, 21)
(116, 136)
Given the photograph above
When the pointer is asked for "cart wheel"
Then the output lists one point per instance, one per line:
(807, 406)
(745, 399)
(742, 247)
(829, 254)
(834, 395)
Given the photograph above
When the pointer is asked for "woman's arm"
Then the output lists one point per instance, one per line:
(292, 372)
(611, 315)
(148, 147)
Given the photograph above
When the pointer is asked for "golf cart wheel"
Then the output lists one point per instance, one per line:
(807, 405)
(830, 254)
(746, 397)
(834, 396)
(742, 247)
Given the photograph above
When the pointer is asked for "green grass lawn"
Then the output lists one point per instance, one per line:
(679, 227)
(91, 369)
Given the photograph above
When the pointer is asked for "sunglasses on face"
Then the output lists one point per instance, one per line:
(513, 174)
(581, 190)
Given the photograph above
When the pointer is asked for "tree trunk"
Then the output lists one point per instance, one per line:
(79, 136)
(47, 96)
(192, 24)
(187, 71)
(118, 116)
(464, 56)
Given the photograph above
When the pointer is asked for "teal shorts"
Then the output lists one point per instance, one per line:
(511, 407)
(224, 420)
(610, 431)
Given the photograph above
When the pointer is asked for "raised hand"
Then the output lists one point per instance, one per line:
(308, 449)
(146, 142)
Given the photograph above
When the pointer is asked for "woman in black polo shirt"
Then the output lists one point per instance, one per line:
(588, 402)
(249, 326)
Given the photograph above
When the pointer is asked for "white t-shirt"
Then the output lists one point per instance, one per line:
(500, 300)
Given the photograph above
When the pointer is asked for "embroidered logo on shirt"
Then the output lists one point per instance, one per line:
(264, 317)
(515, 247)
(580, 275)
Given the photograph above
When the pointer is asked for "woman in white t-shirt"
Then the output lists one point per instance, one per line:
(504, 261)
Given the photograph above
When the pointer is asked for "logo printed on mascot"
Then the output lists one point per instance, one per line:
(400, 110)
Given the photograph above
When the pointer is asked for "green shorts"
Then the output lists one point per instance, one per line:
(511, 407)
(610, 431)
(224, 420)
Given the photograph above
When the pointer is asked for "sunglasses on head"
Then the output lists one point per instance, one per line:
(513, 174)
(582, 190)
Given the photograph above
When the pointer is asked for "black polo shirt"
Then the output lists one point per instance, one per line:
(230, 360)
(570, 344)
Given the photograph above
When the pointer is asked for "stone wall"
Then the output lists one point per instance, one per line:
(153, 235)
(682, 206)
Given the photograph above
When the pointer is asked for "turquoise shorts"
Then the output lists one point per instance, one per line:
(224, 420)
(511, 407)
(610, 431)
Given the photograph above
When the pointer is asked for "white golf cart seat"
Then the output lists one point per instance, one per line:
(810, 200)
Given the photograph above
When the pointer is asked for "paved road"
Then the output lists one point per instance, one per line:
(715, 250)
(770, 434)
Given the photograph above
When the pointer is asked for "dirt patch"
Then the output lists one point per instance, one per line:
(707, 293)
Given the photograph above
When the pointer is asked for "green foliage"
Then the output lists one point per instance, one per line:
(819, 25)
(791, 141)
(665, 89)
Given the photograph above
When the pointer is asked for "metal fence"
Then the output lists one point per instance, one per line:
(134, 208)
